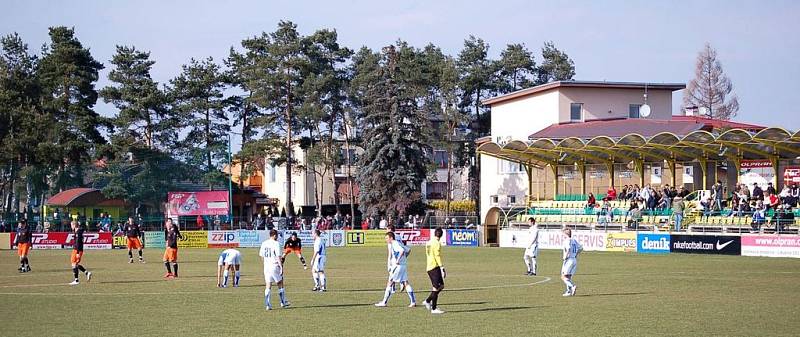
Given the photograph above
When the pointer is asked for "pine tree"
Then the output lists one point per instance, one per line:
(67, 73)
(143, 116)
(394, 163)
(711, 88)
(476, 80)
(516, 67)
(199, 99)
(556, 65)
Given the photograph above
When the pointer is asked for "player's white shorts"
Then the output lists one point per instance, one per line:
(569, 267)
(319, 264)
(398, 273)
(273, 274)
(233, 258)
(532, 251)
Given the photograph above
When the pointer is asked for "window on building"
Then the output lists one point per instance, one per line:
(493, 199)
(348, 152)
(576, 112)
(633, 110)
(272, 172)
(512, 199)
(436, 190)
(440, 158)
(510, 167)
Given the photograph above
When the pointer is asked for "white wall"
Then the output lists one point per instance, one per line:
(597, 102)
(502, 184)
(521, 117)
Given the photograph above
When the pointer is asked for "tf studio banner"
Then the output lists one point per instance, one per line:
(771, 245)
(60, 240)
(197, 203)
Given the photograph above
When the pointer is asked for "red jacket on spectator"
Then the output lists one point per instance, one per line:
(612, 193)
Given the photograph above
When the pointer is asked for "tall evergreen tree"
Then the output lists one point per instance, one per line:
(516, 68)
(67, 73)
(199, 99)
(394, 163)
(476, 81)
(711, 88)
(556, 65)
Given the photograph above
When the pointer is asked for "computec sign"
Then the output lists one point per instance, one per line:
(653, 243)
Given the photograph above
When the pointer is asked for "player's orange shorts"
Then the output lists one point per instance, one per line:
(289, 250)
(171, 254)
(23, 248)
(134, 243)
(76, 256)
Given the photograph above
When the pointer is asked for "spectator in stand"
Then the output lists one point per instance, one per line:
(772, 201)
(348, 221)
(759, 216)
(383, 224)
(717, 195)
(758, 193)
(200, 223)
(605, 215)
(746, 191)
(795, 193)
(365, 224)
(46, 228)
(623, 194)
(633, 192)
(707, 205)
(683, 192)
(771, 189)
(611, 194)
(662, 202)
(677, 212)
(592, 202)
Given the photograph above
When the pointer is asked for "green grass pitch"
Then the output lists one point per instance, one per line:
(619, 294)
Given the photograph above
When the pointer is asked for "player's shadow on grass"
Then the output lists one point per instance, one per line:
(612, 294)
(345, 305)
(496, 309)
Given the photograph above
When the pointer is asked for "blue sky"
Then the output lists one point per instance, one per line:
(654, 41)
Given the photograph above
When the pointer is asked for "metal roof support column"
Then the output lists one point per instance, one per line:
(640, 167)
(775, 160)
(582, 169)
(671, 165)
(610, 168)
(529, 171)
(703, 169)
(737, 162)
(554, 168)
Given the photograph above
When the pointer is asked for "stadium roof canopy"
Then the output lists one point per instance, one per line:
(682, 139)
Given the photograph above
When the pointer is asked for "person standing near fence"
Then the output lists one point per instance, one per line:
(171, 252)
(677, 212)
(77, 254)
(435, 268)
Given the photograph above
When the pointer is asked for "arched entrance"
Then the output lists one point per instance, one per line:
(491, 227)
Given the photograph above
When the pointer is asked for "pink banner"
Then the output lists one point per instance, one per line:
(771, 245)
(198, 203)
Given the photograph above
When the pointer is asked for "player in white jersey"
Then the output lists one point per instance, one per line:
(398, 271)
(571, 249)
(318, 263)
(532, 251)
(273, 268)
(229, 261)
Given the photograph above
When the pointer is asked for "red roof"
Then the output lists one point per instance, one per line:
(80, 197)
(615, 128)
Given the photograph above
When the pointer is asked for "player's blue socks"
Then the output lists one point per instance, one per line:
(236, 279)
(387, 293)
(282, 294)
(411, 294)
(266, 298)
(225, 278)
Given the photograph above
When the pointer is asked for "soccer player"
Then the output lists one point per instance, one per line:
(134, 232)
(435, 270)
(171, 253)
(229, 260)
(533, 249)
(571, 249)
(398, 271)
(294, 245)
(318, 263)
(270, 251)
(77, 254)
(23, 242)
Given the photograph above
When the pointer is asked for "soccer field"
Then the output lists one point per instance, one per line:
(487, 294)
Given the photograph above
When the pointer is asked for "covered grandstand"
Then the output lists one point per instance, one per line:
(557, 158)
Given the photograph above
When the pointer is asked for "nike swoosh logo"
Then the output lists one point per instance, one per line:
(722, 246)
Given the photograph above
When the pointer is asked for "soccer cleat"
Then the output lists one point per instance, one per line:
(566, 293)
(142, 261)
(528, 273)
(573, 290)
(285, 305)
(437, 311)
(412, 305)
(380, 304)
(130, 260)
(427, 305)
(305, 267)
(167, 275)
(88, 276)
(315, 289)
(20, 269)
(268, 308)
(323, 290)
(74, 282)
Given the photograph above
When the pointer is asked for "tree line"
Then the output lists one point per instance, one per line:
(282, 89)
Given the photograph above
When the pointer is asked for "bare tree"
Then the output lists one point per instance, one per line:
(711, 88)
